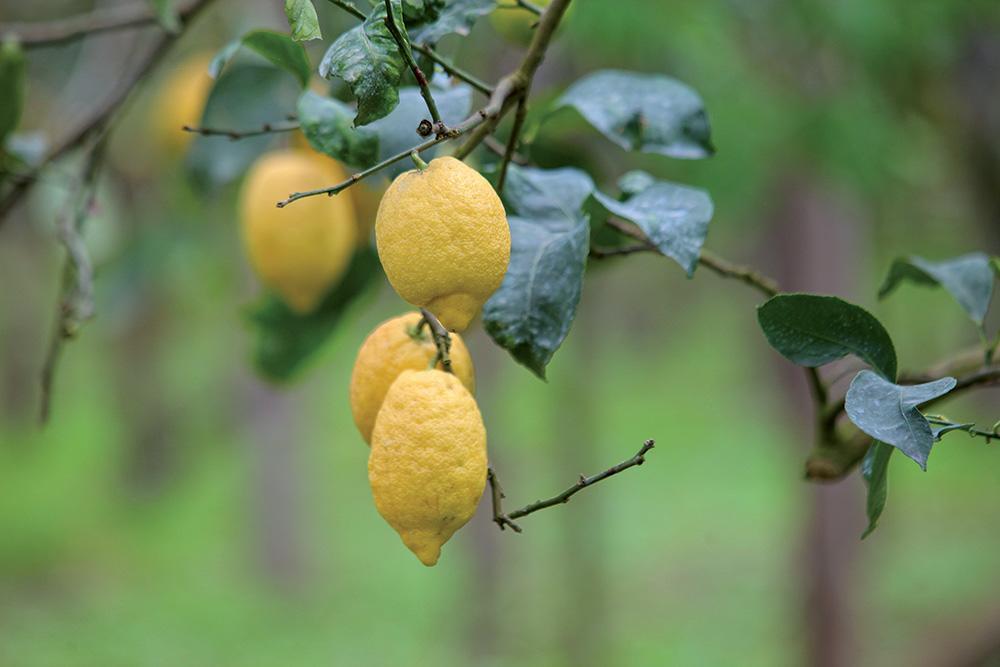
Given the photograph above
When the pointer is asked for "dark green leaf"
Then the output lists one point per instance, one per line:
(645, 112)
(421, 11)
(11, 87)
(812, 330)
(326, 123)
(457, 17)
(281, 50)
(674, 217)
(222, 58)
(875, 470)
(285, 340)
(368, 59)
(968, 278)
(245, 96)
(531, 313)
(166, 15)
(888, 412)
(398, 130)
(302, 20)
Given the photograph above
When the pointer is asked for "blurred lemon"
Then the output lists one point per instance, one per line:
(516, 24)
(427, 466)
(443, 239)
(179, 102)
(393, 347)
(301, 250)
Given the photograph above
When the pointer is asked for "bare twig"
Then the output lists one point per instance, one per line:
(442, 339)
(404, 50)
(992, 434)
(503, 519)
(266, 128)
(350, 8)
(515, 133)
(453, 69)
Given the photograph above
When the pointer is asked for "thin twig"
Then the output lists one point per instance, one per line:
(350, 8)
(602, 252)
(453, 69)
(442, 339)
(403, 45)
(499, 149)
(503, 519)
(266, 128)
(993, 434)
(515, 133)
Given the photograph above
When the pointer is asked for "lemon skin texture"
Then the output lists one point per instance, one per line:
(301, 250)
(427, 466)
(443, 239)
(388, 351)
(180, 102)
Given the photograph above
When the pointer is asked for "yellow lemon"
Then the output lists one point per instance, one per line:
(301, 250)
(393, 347)
(443, 239)
(180, 102)
(427, 466)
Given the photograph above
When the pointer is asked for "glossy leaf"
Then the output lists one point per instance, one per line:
(812, 330)
(11, 87)
(969, 279)
(457, 17)
(674, 217)
(888, 412)
(875, 471)
(302, 20)
(367, 58)
(531, 314)
(421, 11)
(643, 112)
(326, 124)
(281, 50)
(285, 340)
(245, 96)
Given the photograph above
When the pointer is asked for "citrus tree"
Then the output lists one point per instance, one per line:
(470, 228)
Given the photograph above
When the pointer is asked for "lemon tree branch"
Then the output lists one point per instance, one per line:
(266, 128)
(404, 50)
(506, 519)
(442, 339)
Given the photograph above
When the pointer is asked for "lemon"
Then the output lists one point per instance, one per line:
(301, 250)
(427, 466)
(180, 102)
(443, 239)
(390, 349)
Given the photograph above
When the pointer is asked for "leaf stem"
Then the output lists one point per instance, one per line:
(442, 339)
(350, 8)
(403, 44)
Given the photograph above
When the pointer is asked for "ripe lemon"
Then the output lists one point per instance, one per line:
(180, 102)
(443, 239)
(427, 466)
(301, 250)
(393, 347)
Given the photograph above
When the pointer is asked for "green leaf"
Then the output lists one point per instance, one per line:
(281, 50)
(875, 471)
(326, 124)
(674, 217)
(285, 340)
(457, 18)
(643, 112)
(166, 15)
(969, 279)
(11, 86)
(398, 130)
(368, 59)
(421, 11)
(302, 20)
(888, 412)
(634, 182)
(245, 96)
(530, 315)
(812, 330)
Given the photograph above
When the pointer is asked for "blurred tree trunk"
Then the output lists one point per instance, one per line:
(815, 247)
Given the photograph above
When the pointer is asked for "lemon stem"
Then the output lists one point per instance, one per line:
(442, 340)
(417, 160)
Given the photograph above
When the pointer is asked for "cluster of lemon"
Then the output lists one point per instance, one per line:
(443, 240)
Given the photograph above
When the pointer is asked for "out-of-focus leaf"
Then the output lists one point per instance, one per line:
(11, 87)
(674, 217)
(875, 470)
(888, 412)
(326, 124)
(812, 330)
(29, 148)
(398, 130)
(531, 313)
(969, 279)
(457, 17)
(285, 340)
(281, 50)
(651, 113)
(367, 58)
(302, 20)
(166, 15)
(245, 96)
(634, 182)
